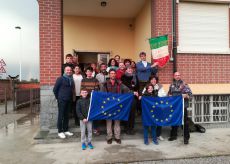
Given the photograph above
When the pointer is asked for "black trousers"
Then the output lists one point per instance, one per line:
(159, 131)
(63, 115)
(76, 119)
(129, 125)
(186, 133)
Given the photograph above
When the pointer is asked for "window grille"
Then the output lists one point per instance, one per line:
(209, 108)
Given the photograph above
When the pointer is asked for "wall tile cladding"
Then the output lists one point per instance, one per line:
(51, 39)
(195, 68)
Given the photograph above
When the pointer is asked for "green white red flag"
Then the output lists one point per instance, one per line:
(159, 47)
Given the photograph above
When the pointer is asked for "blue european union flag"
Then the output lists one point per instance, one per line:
(162, 111)
(109, 106)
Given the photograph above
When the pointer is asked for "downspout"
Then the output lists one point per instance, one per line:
(174, 50)
(62, 35)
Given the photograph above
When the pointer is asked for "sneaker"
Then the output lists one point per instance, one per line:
(68, 133)
(146, 142)
(118, 141)
(109, 141)
(83, 146)
(155, 142)
(160, 138)
(61, 135)
(90, 145)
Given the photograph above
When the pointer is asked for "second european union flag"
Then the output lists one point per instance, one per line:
(162, 111)
(109, 106)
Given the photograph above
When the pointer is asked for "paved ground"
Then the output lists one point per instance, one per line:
(17, 146)
(212, 143)
(11, 115)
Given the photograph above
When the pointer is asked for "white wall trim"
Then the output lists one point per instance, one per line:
(202, 52)
(207, 1)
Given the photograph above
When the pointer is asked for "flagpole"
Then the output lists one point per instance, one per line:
(183, 118)
(91, 95)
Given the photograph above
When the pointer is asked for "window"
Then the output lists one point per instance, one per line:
(203, 27)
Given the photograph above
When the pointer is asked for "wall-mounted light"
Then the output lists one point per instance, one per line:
(103, 3)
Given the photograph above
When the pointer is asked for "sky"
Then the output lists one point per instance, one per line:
(20, 45)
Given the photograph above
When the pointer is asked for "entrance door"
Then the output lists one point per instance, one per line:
(86, 58)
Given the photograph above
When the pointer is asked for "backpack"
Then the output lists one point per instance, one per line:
(195, 127)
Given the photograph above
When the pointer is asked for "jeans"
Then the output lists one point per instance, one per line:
(63, 115)
(153, 133)
(83, 127)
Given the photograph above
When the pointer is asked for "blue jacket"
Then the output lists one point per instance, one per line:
(63, 89)
(143, 73)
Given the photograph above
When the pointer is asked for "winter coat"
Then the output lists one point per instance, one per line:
(82, 108)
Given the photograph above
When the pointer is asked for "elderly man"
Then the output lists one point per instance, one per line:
(63, 91)
(178, 87)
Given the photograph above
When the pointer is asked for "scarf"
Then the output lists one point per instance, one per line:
(134, 79)
(69, 78)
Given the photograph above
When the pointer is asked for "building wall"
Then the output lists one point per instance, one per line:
(195, 68)
(162, 25)
(204, 68)
(51, 50)
(99, 35)
(142, 32)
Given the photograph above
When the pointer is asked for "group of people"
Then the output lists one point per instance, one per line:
(72, 91)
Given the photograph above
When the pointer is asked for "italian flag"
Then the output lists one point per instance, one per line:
(159, 47)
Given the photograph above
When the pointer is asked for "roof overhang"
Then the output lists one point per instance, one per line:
(113, 8)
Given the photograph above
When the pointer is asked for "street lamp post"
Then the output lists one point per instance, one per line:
(20, 56)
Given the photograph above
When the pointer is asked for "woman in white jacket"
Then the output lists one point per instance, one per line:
(154, 80)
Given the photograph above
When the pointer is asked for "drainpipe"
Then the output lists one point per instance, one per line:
(62, 35)
(174, 51)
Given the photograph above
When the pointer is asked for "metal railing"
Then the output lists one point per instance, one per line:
(27, 97)
(209, 108)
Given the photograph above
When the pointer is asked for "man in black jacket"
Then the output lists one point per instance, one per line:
(63, 91)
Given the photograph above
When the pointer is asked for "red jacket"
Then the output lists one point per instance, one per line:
(119, 74)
